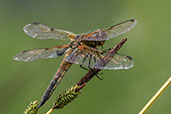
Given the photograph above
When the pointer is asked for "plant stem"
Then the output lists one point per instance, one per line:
(50, 111)
(154, 98)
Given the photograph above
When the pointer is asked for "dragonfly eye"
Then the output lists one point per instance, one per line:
(78, 36)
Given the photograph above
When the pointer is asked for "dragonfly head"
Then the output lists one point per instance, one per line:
(79, 36)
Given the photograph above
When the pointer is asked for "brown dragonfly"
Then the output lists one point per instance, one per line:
(82, 49)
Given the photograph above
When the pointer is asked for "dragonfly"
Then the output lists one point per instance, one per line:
(82, 49)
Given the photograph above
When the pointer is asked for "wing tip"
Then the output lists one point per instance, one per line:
(27, 31)
(15, 58)
(28, 25)
(25, 28)
(134, 21)
(130, 58)
(19, 58)
(35, 23)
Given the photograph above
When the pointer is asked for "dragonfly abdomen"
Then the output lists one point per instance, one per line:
(53, 84)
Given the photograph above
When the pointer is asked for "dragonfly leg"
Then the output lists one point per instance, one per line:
(89, 65)
(84, 68)
(90, 69)
(100, 73)
(105, 51)
(83, 63)
(95, 74)
(100, 78)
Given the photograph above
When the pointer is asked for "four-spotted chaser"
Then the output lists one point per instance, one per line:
(82, 49)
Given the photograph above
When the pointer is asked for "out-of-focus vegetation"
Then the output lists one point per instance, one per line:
(121, 91)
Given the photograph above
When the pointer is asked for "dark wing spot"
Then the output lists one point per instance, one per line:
(59, 53)
(51, 29)
(46, 49)
(25, 51)
(133, 20)
(36, 23)
(130, 58)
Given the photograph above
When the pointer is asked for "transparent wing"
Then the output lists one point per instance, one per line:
(40, 31)
(94, 60)
(120, 62)
(111, 32)
(31, 55)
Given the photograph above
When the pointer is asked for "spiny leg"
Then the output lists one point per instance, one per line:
(100, 73)
(95, 74)
(83, 63)
(89, 65)
(90, 69)
(84, 68)
(106, 50)
(95, 61)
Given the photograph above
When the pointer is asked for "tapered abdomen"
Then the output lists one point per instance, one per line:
(55, 81)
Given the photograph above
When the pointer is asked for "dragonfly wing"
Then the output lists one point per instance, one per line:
(120, 62)
(40, 31)
(95, 60)
(110, 32)
(31, 55)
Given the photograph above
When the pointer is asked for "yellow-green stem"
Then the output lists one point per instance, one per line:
(50, 111)
(154, 98)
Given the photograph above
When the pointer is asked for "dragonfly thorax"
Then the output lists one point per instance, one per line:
(94, 43)
(74, 44)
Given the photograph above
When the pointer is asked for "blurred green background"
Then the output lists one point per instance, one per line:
(121, 91)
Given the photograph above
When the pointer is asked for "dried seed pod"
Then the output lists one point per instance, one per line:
(32, 108)
(66, 97)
